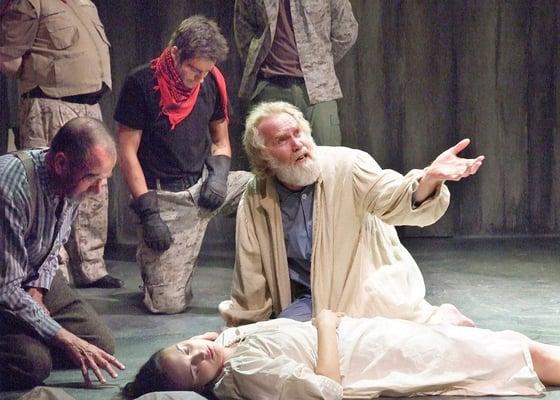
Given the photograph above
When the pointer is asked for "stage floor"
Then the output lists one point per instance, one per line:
(499, 283)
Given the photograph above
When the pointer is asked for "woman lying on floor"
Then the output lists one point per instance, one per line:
(345, 357)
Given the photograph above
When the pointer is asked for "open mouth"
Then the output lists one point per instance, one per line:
(302, 157)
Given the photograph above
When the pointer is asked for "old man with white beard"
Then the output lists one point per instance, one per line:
(315, 228)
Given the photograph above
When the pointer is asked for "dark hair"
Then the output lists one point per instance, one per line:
(198, 36)
(77, 137)
(150, 378)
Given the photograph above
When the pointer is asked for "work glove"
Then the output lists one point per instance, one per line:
(214, 189)
(156, 233)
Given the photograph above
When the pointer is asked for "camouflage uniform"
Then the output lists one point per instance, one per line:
(324, 31)
(40, 120)
(65, 55)
(167, 276)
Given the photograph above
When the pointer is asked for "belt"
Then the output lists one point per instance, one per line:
(172, 184)
(88, 98)
(285, 80)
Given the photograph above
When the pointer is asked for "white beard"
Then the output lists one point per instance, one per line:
(296, 175)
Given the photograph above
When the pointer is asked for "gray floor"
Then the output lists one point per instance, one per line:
(501, 284)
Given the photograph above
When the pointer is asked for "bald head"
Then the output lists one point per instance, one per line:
(81, 158)
(79, 136)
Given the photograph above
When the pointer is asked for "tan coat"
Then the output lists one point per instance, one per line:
(358, 264)
(63, 44)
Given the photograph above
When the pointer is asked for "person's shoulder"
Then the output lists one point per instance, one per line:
(339, 154)
(12, 176)
(253, 187)
(141, 73)
(340, 161)
(209, 85)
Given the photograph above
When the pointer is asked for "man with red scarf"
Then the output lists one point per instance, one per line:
(175, 157)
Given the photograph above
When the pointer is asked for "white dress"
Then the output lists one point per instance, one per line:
(378, 357)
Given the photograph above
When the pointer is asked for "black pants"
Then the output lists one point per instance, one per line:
(26, 360)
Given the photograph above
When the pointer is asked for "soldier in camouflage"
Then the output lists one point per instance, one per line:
(289, 48)
(175, 157)
(59, 53)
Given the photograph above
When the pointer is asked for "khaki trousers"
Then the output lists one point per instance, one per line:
(26, 360)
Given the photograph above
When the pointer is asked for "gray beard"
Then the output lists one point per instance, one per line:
(296, 175)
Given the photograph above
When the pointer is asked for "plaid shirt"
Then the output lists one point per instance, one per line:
(30, 261)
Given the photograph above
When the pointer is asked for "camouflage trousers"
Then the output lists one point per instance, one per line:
(82, 259)
(167, 275)
(323, 117)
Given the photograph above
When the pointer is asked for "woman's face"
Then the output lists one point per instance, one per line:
(193, 363)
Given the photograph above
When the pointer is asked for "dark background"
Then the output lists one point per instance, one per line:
(422, 75)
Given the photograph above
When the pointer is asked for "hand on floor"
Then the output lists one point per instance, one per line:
(87, 356)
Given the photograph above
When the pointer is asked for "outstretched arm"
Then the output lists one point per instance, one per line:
(447, 166)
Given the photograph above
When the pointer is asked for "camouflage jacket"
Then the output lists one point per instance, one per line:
(324, 30)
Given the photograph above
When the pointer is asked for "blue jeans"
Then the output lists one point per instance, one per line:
(300, 309)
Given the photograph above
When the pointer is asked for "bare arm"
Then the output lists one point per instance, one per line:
(220, 138)
(328, 361)
(128, 143)
(447, 166)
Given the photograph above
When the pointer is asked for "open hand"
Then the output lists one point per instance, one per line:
(449, 166)
(87, 356)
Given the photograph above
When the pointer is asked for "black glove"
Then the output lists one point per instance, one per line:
(156, 233)
(214, 189)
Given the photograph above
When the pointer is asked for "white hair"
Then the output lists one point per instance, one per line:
(253, 142)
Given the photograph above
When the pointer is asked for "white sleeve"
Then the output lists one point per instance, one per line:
(253, 374)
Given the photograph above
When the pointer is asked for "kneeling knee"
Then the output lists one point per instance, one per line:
(29, 364)
(106, 342)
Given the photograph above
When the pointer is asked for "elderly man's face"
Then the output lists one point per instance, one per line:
(290, 151)
(91, 178)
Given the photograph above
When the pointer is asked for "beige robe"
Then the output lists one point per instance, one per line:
(358, 264)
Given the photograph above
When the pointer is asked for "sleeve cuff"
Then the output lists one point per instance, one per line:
(49, 328)
(331, 389)
(426, 203)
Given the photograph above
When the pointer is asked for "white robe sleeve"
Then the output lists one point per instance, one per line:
(253, 374)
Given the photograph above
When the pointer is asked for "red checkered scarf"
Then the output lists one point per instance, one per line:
(176, 100)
